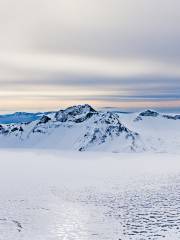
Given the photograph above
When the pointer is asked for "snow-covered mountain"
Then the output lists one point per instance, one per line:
(84, 128)
(75, 128)
(158, 132)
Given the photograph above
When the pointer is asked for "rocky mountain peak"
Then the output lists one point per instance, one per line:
(76, 114)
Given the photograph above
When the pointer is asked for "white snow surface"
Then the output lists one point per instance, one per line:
(64, 195)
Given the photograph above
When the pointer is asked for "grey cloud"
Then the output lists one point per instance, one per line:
(116, 29)
(113, 28)
(141, 87)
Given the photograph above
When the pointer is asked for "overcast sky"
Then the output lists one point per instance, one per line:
(121, 53)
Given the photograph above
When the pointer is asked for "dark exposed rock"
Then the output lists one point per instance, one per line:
(3, 130)
(149, 113)
(138, 118)
(61, 116)
(169, 117)
(14, 129)
(21, 129)
(44, 119)
(75, 114)
(176, 117)
(87, 116)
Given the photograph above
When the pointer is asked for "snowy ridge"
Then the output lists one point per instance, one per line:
(152, 113)
(83, 128)
(158, 132)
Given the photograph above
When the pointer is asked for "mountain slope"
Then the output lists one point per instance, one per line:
(76, 128)
(158, 132)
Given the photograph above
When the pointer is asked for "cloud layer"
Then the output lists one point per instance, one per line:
(122, 53)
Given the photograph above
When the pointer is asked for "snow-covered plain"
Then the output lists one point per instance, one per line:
(56, 195)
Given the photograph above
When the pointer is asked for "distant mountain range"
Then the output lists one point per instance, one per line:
(20, 117)
(83, 128)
